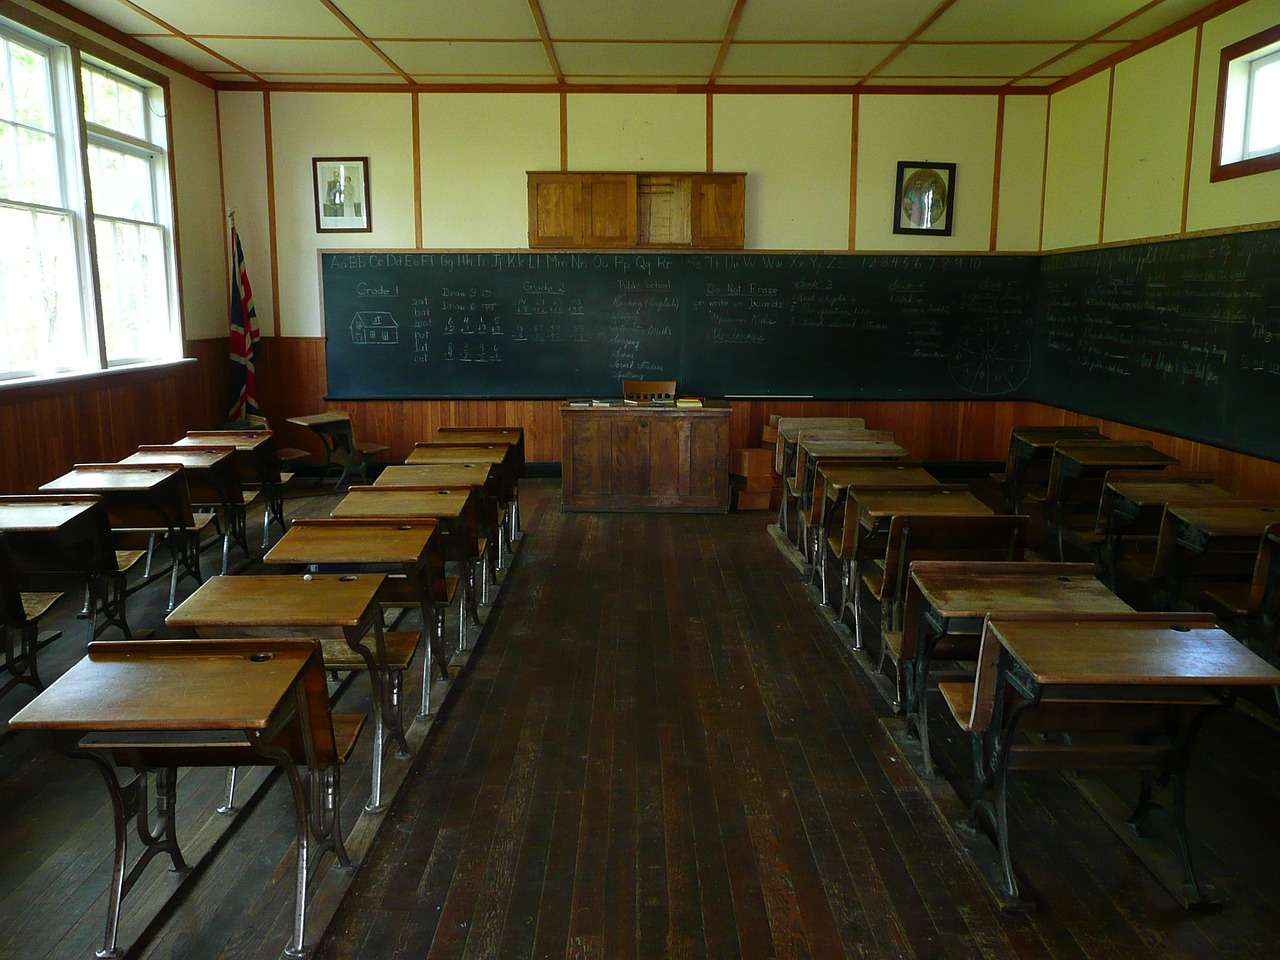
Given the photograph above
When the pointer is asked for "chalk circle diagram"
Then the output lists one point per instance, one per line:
(990, 357)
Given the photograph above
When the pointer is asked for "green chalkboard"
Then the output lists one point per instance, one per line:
(549, 326)
(1181, 336)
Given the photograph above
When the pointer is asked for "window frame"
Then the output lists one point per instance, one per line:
(1234, 66)
(73, 52)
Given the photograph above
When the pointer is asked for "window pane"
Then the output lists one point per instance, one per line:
(135, 299)
(110, 102)
(28, 166)
(121, 184)
(1264, 108)
(41, 320)
(31, 87)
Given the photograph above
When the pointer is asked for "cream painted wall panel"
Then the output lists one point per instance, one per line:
(1150, 116)
(795, 152)
(1021, 173)
(944, 129)
(199, 209)
(476, 150)
(1245, 200)
(636, 131)
(1077, 144)
(244, 166)
(306, 125)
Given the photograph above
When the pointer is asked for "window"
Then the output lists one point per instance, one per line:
(1247, 127)
(64, 208)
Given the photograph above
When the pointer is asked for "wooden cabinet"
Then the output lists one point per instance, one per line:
(667, 210)
(639, 458)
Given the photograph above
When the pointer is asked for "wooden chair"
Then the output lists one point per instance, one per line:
(1000, 538)
(20, 613)
(344, 453)
(649, 389)
(1130, 729)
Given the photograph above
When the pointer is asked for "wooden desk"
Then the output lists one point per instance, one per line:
(168, 703)
(1229, 530)
(512, 435)
(257, 462)
(411, 545)
(145, 498)
(454, 507)
(474, 475)
(1135, 504)
(672, 459)
(789, 429)
(876, 507)
(1138, 663)
(809, 453)
(325, 605)
(947, 601)
(1028, 444)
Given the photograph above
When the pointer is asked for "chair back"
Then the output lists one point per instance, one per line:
(649, 389)
(1001, 538)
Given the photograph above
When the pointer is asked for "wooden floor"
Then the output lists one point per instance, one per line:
(661, 748)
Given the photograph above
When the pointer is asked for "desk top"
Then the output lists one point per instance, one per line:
(506, 435)
(325, 600)
(641, 408)
(1131, 653)
(107, 478)
(41, 515)
(1145, 493)
(243, 440)
(789, 427)
(194, 458)
(353, 541)
(193, 685)
(459, 453)
(394, 502)
(966, 591)
(435, 474)
(1113, 453)
(851, 448)
(1228, 518)
(878, 504)
(320, 419)
(840, 474)
(1039, 437)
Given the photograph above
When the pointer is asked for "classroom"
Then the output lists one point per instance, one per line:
(382, 168)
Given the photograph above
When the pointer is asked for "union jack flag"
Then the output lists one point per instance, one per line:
(244, 337)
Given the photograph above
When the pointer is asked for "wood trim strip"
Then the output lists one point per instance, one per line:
(845, 89)
(1044, 168)
(711, 125)
(271, 213)
(1191, 128)
(995, 174)
(222, 193)
(363, 38)
(921, 27)
(1106, 158)
(564, 130)
(173, 201)
(727, 40)
(856, 108)
(548, 47)
(417, 167)
(91, 237)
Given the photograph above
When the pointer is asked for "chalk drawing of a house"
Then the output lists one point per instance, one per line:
(374, 326)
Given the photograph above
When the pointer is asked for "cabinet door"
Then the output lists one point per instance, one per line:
(718, 210)
(630, 458)
(555, 209)
(609, 210)
(669, 456)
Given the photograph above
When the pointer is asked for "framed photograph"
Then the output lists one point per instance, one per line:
(925, 198)
(342, 194)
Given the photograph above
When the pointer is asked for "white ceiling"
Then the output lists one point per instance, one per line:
(665, 43)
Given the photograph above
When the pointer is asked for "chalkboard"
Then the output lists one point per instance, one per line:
(1181, 336)
(549, 326)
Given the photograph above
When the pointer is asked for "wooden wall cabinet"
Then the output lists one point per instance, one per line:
(667, 210)
(637, 458)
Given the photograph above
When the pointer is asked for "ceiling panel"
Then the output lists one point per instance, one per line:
(832, 60)
(116, 14)
(638, 59)
(1167, 13)
(300, 56)
(187, 52)
(1027, 19)
(832, 19)
(1079, 59)
(469, 57)
(249, 18)
(444, 19)
(637, 19)
(970, 59)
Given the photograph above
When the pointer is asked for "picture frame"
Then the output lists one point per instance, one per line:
(342, 195)
(924, 199)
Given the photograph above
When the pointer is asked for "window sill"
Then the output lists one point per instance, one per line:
(32, 388)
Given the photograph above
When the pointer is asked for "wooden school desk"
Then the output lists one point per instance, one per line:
(789, 430)
(810, 451)
(1139, 675)
(160, 704)
(145, 499)
(511, 435)
(835, 522)
(1231, 529)
(947, 601)
(411, 545)
(1134, 503)
(1030, 444)
(454, 507)
(323, 606)
(257, 462)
